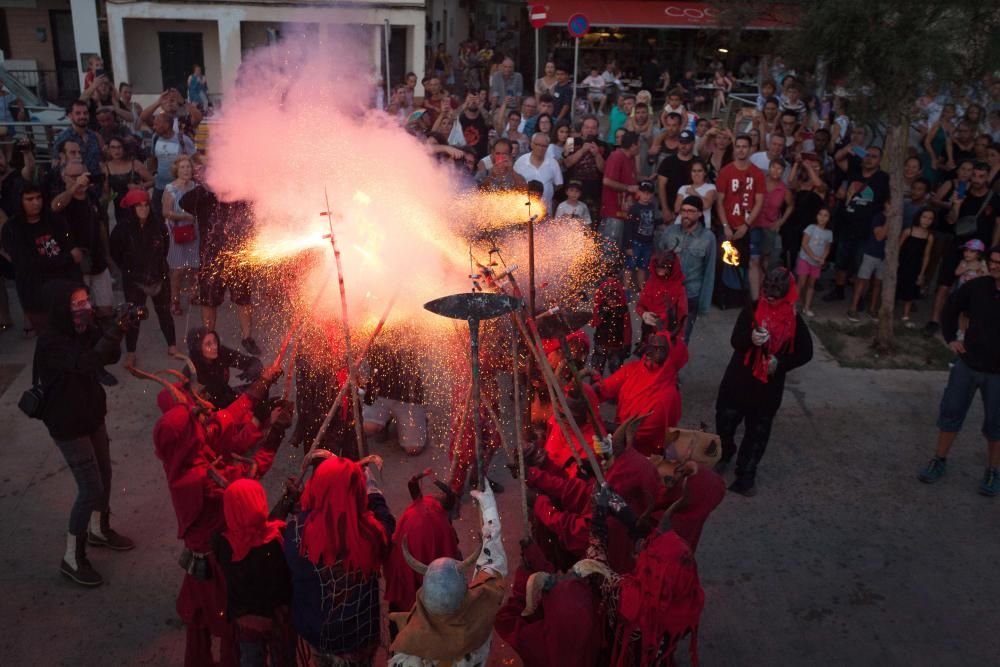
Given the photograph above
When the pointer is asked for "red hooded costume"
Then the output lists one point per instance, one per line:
(558, 449)
(245, 508)
(641, 390)
(566, 629)
(608, 299)
(181, 443)
(664, 297)
(565, 508)
(662, 599)
(705, 490)
(429, 535)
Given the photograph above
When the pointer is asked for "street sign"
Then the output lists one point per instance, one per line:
(537, 16)
(578, 25)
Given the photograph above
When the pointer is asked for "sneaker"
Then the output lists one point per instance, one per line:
(872, 316)
(852, 316)
(106, 378)
(990, 486)
(934, 471)
(250, 345)
(931, 328)
(743, 488)
(809, 313)
(836, 294)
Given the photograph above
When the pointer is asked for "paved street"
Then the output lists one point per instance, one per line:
(842, 558)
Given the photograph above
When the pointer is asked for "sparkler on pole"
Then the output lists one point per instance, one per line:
(351, 369)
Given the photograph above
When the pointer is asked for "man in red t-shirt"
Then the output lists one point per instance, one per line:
(743, 189)
(619, 185)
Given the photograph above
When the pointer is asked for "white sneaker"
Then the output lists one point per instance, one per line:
(809, 313)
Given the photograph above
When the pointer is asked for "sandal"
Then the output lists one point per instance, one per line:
(175, 307)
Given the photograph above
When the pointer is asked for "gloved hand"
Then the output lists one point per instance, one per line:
(759, 337)
(372, 483)
(650, 318)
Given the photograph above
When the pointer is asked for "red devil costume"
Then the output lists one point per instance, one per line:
(565, 629)
(663, 296)
(428, 532)
(769, 340)
(563, 503)
(654, 607)
(642, 387)
(188, 449)
(705, 491)
(557, 448)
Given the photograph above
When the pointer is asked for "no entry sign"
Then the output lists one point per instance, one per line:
(537, 16)
(578, 25)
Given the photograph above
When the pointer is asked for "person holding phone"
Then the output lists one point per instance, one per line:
(863, 193)
(500, 174)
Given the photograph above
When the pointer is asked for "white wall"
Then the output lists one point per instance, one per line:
(142, 45)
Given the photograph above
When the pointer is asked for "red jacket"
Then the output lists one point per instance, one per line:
(659, 294)
(640, 390)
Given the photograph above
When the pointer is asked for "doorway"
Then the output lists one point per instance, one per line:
(179, 53)
(64, 51)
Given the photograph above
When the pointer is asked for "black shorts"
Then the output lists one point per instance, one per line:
(215, 278)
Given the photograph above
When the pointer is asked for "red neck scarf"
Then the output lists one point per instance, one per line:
(245, 507)
(779, 320)
(340, 528)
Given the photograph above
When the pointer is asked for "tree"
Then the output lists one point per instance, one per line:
(886, 51)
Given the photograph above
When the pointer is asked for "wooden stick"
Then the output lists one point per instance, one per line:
(517, 431)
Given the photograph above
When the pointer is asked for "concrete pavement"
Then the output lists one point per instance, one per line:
(841, 558)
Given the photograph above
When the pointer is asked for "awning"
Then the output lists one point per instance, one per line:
(651, 14)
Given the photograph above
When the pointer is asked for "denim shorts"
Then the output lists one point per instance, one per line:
(763, 241)
(959, 393)
(641, 252)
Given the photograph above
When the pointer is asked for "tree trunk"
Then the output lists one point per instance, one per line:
(894, 157)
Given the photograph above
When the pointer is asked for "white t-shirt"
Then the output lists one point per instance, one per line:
(762, 162)
(579, 210)
(548, 173)
(819, 239)
(702, 191)
(594, 84)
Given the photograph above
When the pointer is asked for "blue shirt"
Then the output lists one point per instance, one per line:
(697, 251)
(873, 246)
(90, 148)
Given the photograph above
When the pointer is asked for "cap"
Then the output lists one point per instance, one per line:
(694, 200)
(575, 184)
(974, 244)
(134, 197)
(646, 186)
(686, 137)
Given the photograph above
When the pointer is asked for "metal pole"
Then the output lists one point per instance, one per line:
(476, 401)
(576, 75)
(536, 52)
(388, 86)
(517, 428)
(531, 266)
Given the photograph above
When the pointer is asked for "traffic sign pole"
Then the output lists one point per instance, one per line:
(536, 54)
(537, 15)
(577, 26)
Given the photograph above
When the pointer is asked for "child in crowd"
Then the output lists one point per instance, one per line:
(595, 90)
(643, 217)
(612, 326)
(767, 90)
(573, 207)
(871, 269)
(816, 242)
(971, 267)
(915, 245)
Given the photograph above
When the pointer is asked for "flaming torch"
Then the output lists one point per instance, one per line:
(731, 257)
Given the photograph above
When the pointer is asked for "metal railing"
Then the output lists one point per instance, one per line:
(42, 134)
(43, 83)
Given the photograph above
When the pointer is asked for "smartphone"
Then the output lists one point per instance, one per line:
(99, 72)
(569, 145)
(962, 187)
(859, 151)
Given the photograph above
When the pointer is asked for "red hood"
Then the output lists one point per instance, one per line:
(429, 535)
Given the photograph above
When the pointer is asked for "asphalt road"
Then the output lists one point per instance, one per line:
(842, 558)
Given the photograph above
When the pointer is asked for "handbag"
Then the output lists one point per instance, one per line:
(968, 224)
(183, 233)
(32, 402)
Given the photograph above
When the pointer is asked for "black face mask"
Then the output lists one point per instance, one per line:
(776, 284)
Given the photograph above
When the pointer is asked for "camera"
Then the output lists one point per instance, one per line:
(130, 314)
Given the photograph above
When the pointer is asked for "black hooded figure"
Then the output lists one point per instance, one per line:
(212, 361)
(69, 355)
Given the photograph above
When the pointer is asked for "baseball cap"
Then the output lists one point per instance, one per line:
(686, 137)
(974, 244)
(646, 186)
